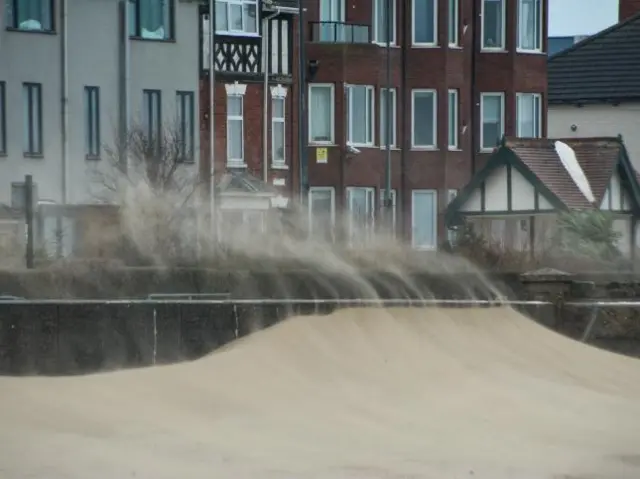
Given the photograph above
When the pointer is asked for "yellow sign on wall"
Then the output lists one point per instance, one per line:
(321, 155)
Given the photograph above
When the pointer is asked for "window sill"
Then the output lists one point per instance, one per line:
(236, 164)
(238, 34)
(493, 50)
(35, 156)
(92, 157)
(484, 151)
(425, 45)
(23, 30)
(384, 44)
(393, 148)
(452, 148)
(455, 46)
(321, 144)
(524, 51)
(279, 166)
(152, 40)
(424, 148)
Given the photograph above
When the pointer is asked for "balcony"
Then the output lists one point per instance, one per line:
(340, 32)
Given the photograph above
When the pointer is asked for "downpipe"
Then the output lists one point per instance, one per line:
(266, 38)
(64, 130)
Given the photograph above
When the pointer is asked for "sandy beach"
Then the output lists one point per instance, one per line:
(362, 393)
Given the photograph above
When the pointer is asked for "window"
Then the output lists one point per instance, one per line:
(332, 26)
(151, 19)
(278, 132)
(528, 110)
(237, 16)
(360, 115)
(361, 206)
(92, 122)
(32, 104)
(185, 123)
(424, 219)
(530, 25)
(30, 15)
(3, 118)
(152, 117)
(393, 205)
(425, 22)
(453, 119)
(453, 22)
(321, 113)
(380, 18)
(492, 113)
(387, 120)
(423, 119)
(322, 212)
(493, 24)
(235, 129)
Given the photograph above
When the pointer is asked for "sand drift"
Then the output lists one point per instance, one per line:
(362, 393)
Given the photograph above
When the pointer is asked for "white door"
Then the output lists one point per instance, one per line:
(424, 219)
(332, 16)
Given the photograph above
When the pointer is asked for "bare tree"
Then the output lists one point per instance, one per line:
(154, 181)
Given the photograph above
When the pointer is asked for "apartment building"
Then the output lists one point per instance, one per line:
(464, 73)
(73, 78)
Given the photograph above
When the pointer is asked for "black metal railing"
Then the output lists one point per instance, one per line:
(339, 32)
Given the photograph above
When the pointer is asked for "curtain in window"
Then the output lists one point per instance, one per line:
(154, 19)
(528, 24)
(424, 220)
(320, 108)
(30, 14)
(492, 24)
(234, 129)
(491, 121)
(423, 127)
(359, 115)
(424, 21)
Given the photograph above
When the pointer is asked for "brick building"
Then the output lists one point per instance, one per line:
(458, 81)
(463, 74)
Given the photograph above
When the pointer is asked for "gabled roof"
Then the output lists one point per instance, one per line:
(604, 67)
(537, 160)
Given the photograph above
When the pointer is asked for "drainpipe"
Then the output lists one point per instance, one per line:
(302, 110)
(126, 87)
(403, 141)
(266, 37)
(212, 124)
(473, 124)
(64, 104)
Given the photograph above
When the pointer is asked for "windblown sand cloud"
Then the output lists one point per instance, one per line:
(362, 393)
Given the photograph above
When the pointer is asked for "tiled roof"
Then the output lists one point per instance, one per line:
(597, 157)
(603, 67)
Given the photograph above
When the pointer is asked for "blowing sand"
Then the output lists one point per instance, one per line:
(405, 393)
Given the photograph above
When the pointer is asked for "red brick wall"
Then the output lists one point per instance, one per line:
(441, 68)
(627, 9)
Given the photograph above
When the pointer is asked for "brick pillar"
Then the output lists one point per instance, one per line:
(627, 9)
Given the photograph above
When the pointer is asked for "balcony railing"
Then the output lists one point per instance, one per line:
(340, 32)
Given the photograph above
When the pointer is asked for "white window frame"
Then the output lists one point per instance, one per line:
(371, 198)
(370, 107)
(537, 108)
(394, 205)
(244, 32)
(453, 117)
(434, 246)
(484, 95)
(539, 28)
(332, 89)
(278, 94)
(376, 32)
(321, 189)
(503, 38)
(435, 26)
(236, 91)
(453, 23)
(434, 92)
(394, 119)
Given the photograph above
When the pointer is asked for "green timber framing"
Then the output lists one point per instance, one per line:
(506, 157)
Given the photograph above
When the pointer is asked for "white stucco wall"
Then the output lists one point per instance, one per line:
(598, 120)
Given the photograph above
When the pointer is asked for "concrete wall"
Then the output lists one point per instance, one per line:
(94, 60)
(598, 120)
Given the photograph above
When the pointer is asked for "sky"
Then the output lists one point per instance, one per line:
(581, 17)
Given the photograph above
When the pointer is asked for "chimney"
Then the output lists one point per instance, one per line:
(627, 9)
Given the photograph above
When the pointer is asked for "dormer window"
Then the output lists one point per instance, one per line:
(237, 17)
